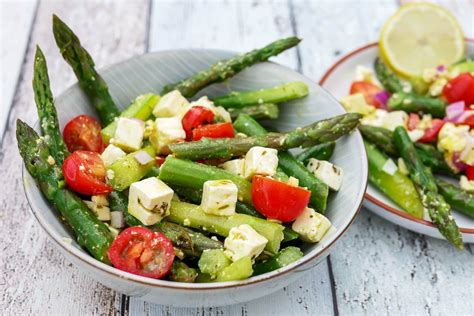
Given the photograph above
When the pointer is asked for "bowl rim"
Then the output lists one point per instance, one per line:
(93, 263)
(396, 211)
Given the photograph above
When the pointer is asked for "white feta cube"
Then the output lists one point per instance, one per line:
(219, 197)
(171, 104)
(235, 166)
(167, 130)
(102, 212)
(149, 200)
(327, 172)
(416, 134)
(260, 160)
(129, 134)
(394, 119)
(311, 226)
(111, 154)
(244, 241)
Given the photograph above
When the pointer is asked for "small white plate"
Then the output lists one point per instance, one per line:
(337, 80)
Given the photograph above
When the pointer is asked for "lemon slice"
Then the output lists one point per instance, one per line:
(421, 36)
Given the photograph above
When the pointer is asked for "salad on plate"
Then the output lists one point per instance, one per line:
(418, 116)
(183, 189)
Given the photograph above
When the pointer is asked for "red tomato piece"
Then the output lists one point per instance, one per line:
(84, 172)
(160, 160)
(469, 121)
(221, 130)
(413, 121)
(141, 251)
(83, 133)
(278, 200)
(470, 172)
(195, 117)
(460, 88)
(369, 91)
(432, 133)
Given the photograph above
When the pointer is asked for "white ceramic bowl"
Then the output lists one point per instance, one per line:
(149, 73)
(337, 80)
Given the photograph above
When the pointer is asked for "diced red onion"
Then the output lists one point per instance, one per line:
(457, 162)
(464, 116)
(383, 97)
(116, 219)
(441, 68)
(454, 110)
(143, 157)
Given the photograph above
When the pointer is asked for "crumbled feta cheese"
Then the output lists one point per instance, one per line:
(452, 138)
(356, 103)
(167, 131)
(219, 197)
(402, 167)
(244, 241)
(171, 104)
(466, 184)
(129, 134)
(260, 160)
(363, 73)
(102, 212)
(311, 226)
(51, 160)
(327, 172)
(235, 166)
(293, 181)
(111, 154)
(110, 174)
(425, 122)
(222, 113)
(375, 118)
(389, 167)
(394, 119)
(149, 200)
(437, 87)
(205, 102)
(416, 134)
(100, 200)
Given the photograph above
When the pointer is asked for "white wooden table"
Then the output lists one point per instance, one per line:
(376, 268)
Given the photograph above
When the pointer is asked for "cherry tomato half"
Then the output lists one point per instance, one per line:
(470, 172)
(413, 121)
(141, 251)
(221, 130)
(195, 117)
(84, 172)
(83, 133)
(432, 133)
(278, 200)
(460, 88)
(369, 91)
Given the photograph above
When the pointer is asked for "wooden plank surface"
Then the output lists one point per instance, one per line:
(378, 268)
(35, 278)
(16, 18)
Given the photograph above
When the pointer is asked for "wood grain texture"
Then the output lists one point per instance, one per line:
(35, 278)
(16, 18)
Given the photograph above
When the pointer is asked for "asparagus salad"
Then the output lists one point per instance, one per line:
(419, 124)
(190, 191)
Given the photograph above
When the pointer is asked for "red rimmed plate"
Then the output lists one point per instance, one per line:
(337, 81)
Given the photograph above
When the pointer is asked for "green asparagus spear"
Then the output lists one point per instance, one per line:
(266, 111)
(286, 162)
(192, 215)
(181, 272)
(46, 110)
(461, 200)
(89, 79)
(225, 69)
(140, 108)
(429, 155)
(192, 243)
(283, 258)
(322, 151)
(185, 173)
(387, 78)
(438, 209)
(411, 102)
(398, 187)
(319, 132)
(91, 233)
(282, 93)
